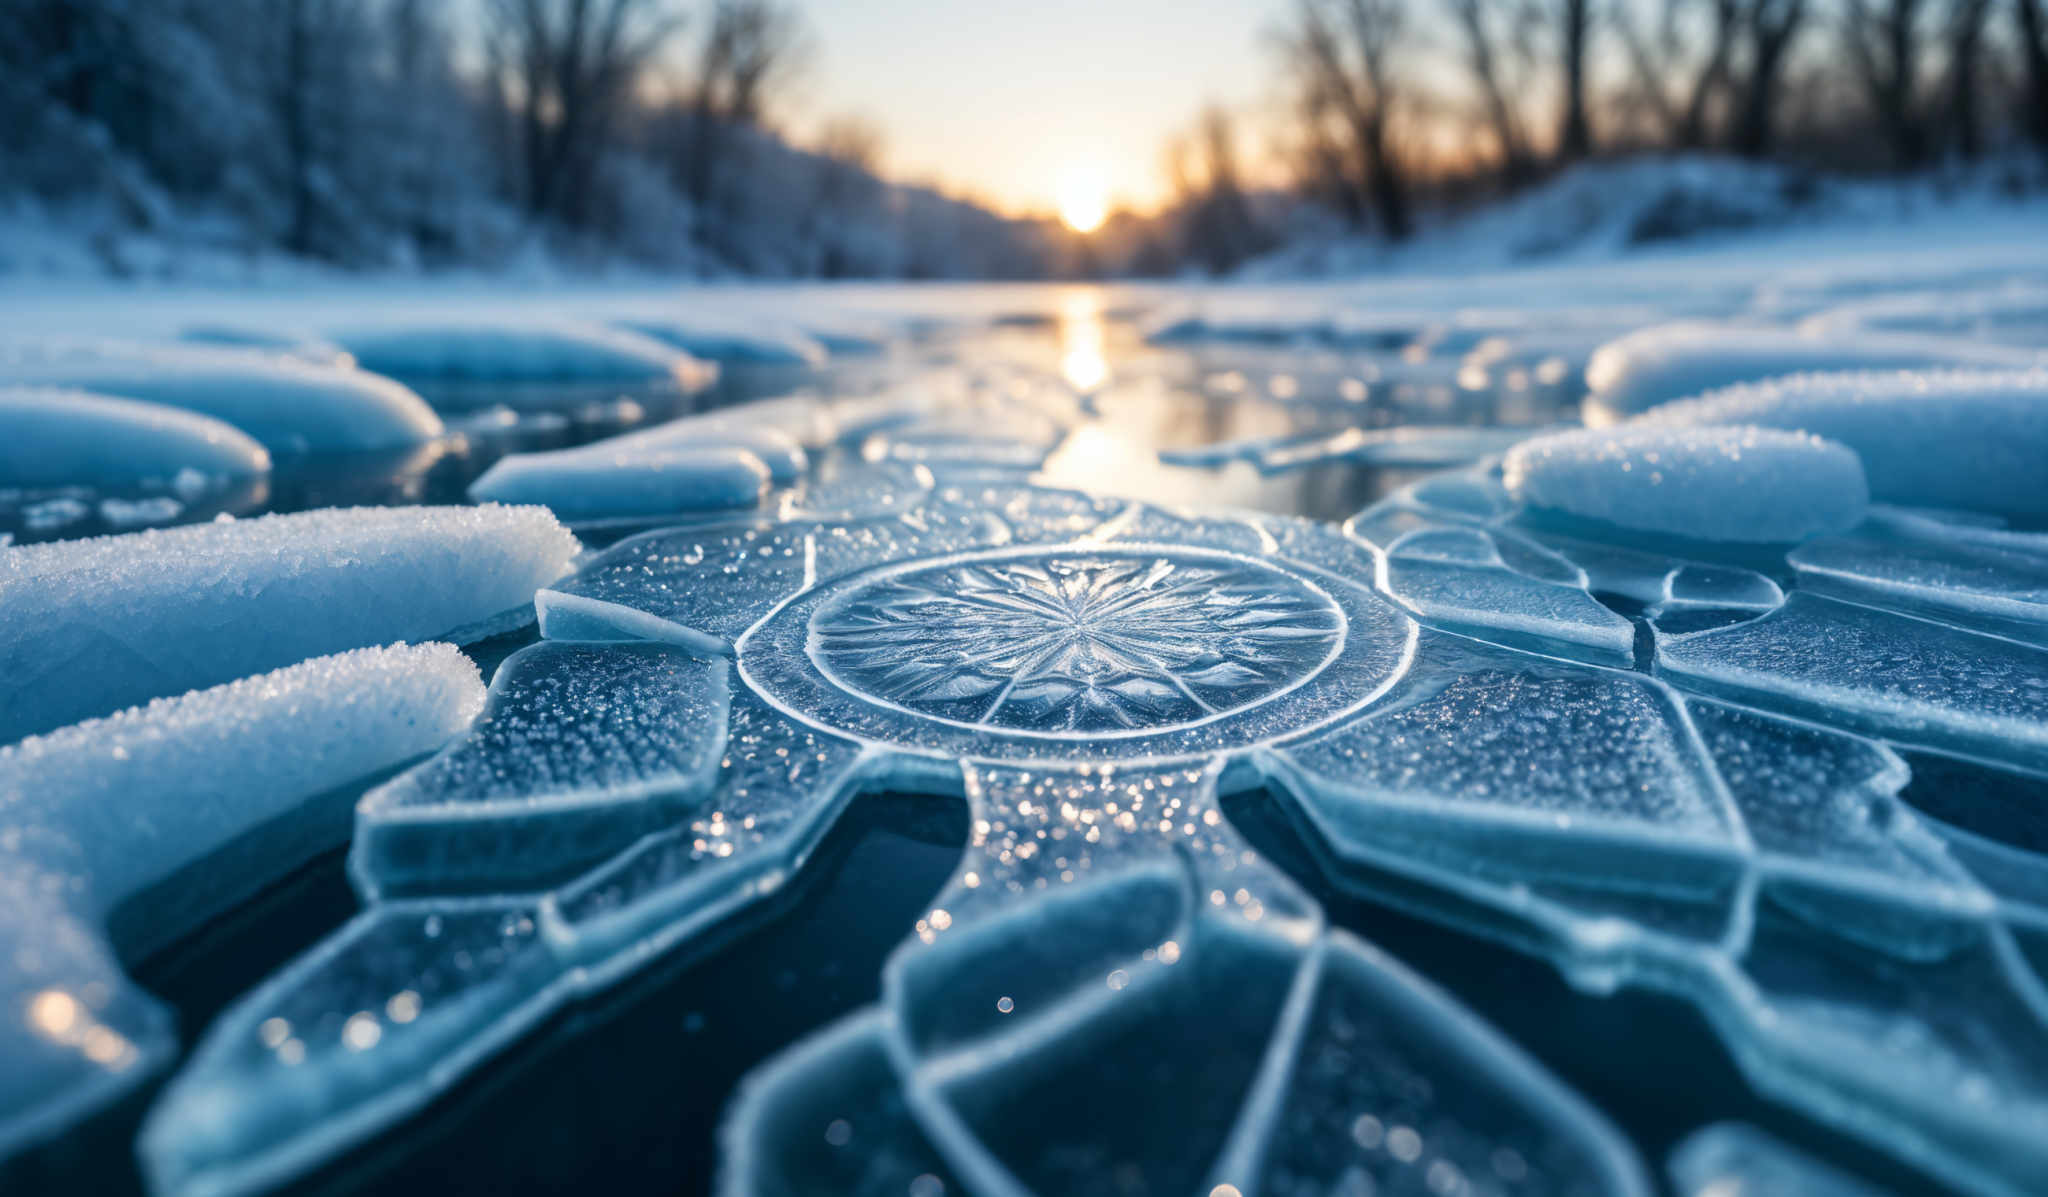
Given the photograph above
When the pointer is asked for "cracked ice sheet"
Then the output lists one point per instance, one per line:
(1985, 579)
(77, 1033)
(1891, 675)
(96, 625)
(1256, 605)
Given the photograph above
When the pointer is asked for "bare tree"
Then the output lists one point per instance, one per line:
(1963, 36)
(1575, 34)
(1768, 28)
(2032, 23)
(1342, 53)
(1477, 28)
(749, 45)
(565, 68)
(1667, 59)
(1883, 38)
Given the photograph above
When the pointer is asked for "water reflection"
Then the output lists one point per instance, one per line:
(1084, 340)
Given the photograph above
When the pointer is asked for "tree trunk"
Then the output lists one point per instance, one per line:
(1575, 140)
(2033, 30)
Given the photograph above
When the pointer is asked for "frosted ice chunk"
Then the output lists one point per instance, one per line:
(596, 481)
(1982, 578)
(1730, 1159)
(1953, 438)
(287, 404)
(81, 844)
(1458, 578)
(412, 994)
(582, 749)
(535, 352)
(731, 341)
(1482, 760)
(1715, 484)
(95, 625)
(1671, 361)
(73, 438)
(1875, 671)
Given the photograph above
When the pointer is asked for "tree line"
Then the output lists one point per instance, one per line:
(1515, 89)
(399, 132)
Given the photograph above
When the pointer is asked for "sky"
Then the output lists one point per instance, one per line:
(1023, 104)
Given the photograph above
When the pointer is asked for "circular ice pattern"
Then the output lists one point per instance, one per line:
(1076, 643)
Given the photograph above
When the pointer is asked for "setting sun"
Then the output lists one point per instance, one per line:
(1083, 199)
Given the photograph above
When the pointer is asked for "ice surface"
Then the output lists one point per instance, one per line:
(287, 404)
(1459, 578)
(1730, 1159)
(1409, 447)
(1710, 483)
(96, 625)
(731, 341)
(597, 481)
(583, 749)
(1890, 675)
(58, 438)
(1672, 361)
(432, 354)
(1986, 579)
(81, 844)
(1947, 438)
(236, 336)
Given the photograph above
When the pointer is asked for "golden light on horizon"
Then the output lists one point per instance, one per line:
(1083, 198)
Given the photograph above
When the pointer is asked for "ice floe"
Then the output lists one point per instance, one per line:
(287, 404)
(1711, 483)
(96, 625)
(1939, 438)
(82, 846)
(521, 364)
(1672, 361)
(58, 438)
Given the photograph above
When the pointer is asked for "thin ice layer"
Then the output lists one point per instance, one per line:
(1983, 578)
(288, 404)
(1664, 362)
(582, 749)
(1459, 578)
(1874, 671)
(74, 438)
(83, 843)
(96, 625)
(1973, 439)
(1714, 483)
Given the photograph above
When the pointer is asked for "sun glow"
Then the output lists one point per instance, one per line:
(1083, 198)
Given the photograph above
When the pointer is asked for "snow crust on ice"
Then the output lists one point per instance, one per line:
(1705, 483)
(527, 351)
(1673, 361)
(597, 481)
(105, 812)
(97, 625)
(54, 438)
(287, 404)
(1988, 579)
(1973, 439)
